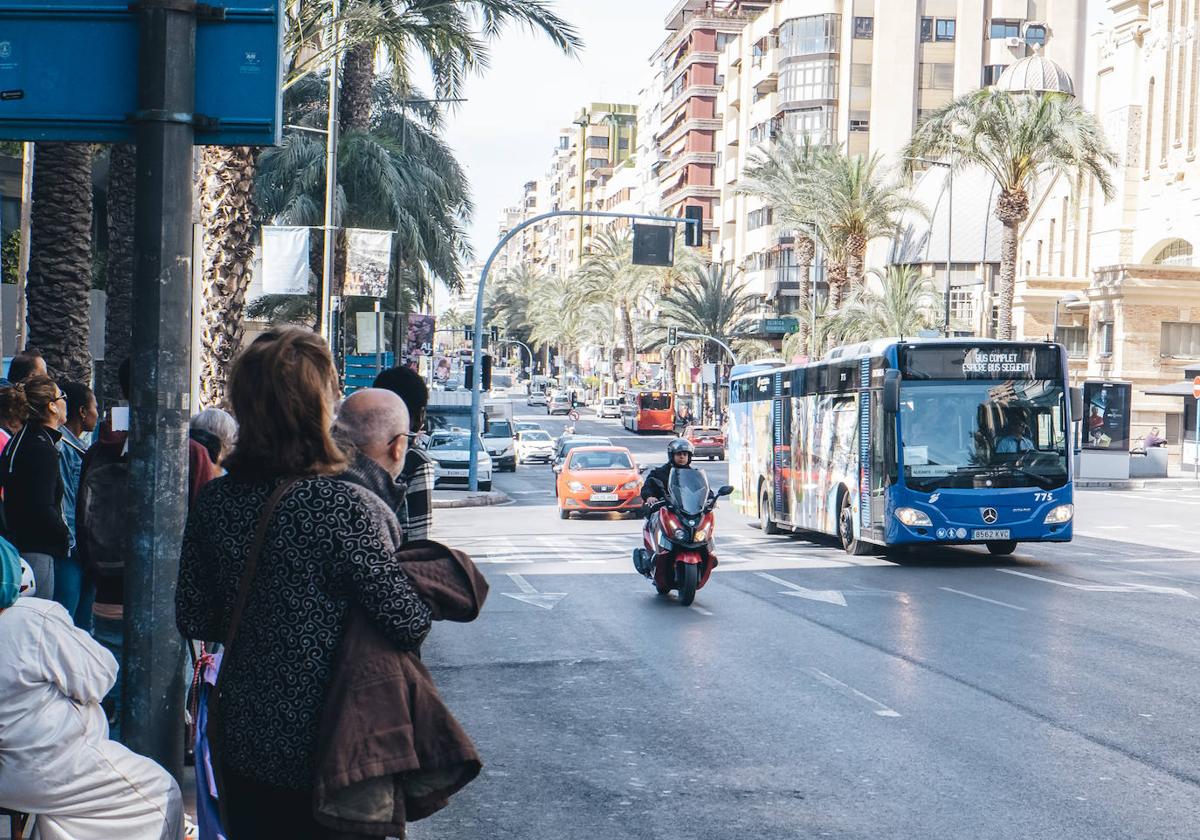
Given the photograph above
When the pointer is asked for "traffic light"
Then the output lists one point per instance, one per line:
(468, 334)
(672, 336)
(693, 234)
(495, 333)
(469, 374)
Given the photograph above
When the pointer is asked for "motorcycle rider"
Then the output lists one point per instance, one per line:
(679, 456)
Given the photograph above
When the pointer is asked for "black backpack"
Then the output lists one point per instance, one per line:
(102, 516)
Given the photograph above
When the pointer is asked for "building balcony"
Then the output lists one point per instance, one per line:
(690, 91)
(767, 84)
(685, 125)
(676, 163)
(682, 191)
(695, 57)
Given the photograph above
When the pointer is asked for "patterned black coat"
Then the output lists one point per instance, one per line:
(330, 545)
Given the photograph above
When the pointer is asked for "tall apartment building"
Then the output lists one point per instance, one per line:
(860, 74)
(685, 152)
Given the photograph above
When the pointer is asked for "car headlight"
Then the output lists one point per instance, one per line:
(912, 518)
(575, 486)
(1060, 514)
(630, 485)
(680, 534)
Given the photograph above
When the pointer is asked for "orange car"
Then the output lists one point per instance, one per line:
(599, 478)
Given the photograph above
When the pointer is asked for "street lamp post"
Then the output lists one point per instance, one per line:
(725, 347)
(949, 228)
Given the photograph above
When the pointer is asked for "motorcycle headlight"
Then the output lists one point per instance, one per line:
(702, 535)
(680, 534)
(913, 518)
(575, 486)
(630, 485)
(1060, 514)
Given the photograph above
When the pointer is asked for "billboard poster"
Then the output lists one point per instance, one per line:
(442, 369)
(368, 263)
(1106, 415)
(418, 340)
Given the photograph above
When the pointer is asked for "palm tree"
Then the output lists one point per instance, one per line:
(710, 301)
(118, 310)
(905, 305)
(1017, 138)
(59, 280)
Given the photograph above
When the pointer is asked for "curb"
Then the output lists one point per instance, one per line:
(1133, 483)
(492, 497)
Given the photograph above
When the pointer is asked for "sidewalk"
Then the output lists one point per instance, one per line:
(1173, 482)
(462, 499)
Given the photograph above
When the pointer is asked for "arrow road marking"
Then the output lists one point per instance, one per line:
(825, 596)
(842, 688)
(1099, 587)
(530, 595)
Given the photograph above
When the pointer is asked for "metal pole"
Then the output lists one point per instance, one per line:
(1196, 453)
(949, 240)
(26, 225)
(477, 344)
(324, 322)
(378, 338)
(1056, 302)
(153, 668)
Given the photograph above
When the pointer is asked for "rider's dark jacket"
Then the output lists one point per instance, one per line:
(656, 480)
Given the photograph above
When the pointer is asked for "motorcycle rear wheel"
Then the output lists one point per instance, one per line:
(689, 578)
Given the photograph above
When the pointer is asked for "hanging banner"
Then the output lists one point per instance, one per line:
(285, 267)
(365, 334)
(418, 341)
(368, 263)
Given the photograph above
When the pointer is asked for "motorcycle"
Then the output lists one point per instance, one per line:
(677, 538)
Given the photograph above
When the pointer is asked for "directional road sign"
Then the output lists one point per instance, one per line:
(1196, 387)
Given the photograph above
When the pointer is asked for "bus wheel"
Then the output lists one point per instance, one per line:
(853, 546)
(764, 516)
(1002, 548)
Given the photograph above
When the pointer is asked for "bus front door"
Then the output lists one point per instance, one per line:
(781, 468)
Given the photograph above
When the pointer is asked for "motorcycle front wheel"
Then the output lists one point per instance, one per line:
(689, 577)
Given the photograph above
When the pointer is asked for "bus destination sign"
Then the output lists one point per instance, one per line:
(996, 361)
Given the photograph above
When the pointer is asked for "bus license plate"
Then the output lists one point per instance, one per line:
(990, 534)
(604, 497)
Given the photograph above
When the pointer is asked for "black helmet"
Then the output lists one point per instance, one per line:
(680, 445)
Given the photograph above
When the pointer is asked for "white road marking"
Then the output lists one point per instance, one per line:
(522, 584)
(981, 598)
(530, 595)
(826, 596)
(839, 686)
(701, 610)
(1098, 587)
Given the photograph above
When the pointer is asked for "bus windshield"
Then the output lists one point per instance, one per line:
(983, 433)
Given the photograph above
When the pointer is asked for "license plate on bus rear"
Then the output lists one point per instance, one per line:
(990, 534)
(604, 497)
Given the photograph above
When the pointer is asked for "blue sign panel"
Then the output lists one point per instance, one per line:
(68, 71)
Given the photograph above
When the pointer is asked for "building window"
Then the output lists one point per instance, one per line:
(595, 163)
(962, 306)
(926, 29)
(1074, 339)
(1175, 252)
(622, 143)
(860, 121)
(758, 52)
(864, 27)
(992, 73)
(723, 39)
(1035, 35)
(1005, 29)
(596, 142)
(945, 29)
(1181, 340)
(809, 35)
(860, 75)
(805, 81)
(937, 76)
(1105, 338)
(756, 219)
(814, 124)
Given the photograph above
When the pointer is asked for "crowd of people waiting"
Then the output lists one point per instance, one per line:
(299, 511)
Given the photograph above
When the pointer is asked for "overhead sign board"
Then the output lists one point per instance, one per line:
(70, 72)
(778, 326)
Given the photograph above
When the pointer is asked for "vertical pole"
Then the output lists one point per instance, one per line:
(325, 322)
(1055, 339)
(153, 669)
(949, 240)
(26, 225)
(1196, 453)
(378, 338)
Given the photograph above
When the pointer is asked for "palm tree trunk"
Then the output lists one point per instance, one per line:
(1012, 209)
(226, 206)
(118, 315)
(627, 336)
(837, 285)
(856, 250)
(806, 250)
(60, 259)
(358, 76)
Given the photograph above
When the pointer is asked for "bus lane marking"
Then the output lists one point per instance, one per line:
(849, 691)
(825, 596)
(981, 598)
(1102, 587)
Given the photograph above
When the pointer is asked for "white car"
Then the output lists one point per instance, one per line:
(534, 445)
(501, 446)
(451, 454)
(536, 398)
(609, 407)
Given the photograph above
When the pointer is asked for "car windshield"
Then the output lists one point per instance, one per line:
(601, 461)
(455, 440)
(688, 491)
(706, 433)
(567, 445)
(536, 435)
(983, 433)
(499, 429)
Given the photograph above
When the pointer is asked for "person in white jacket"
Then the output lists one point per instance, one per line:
(56, 759)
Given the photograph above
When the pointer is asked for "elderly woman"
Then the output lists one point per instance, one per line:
(216, 431)
(327, 548)
(56, 760)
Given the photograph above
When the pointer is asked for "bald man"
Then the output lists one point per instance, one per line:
(373, 425)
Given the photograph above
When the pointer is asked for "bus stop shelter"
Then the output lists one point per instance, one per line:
(1183, 390)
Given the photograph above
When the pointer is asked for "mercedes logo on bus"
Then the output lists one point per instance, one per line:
(989, 516)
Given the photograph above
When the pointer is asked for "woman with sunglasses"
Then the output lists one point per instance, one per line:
(32, 481)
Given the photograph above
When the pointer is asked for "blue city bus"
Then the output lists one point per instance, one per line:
(908, 443)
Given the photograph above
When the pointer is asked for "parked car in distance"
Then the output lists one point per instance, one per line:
(501, 445)
(609, 407)
(534, 445)
(536, 398)
(708, 441)
(599, 479)
(451, 454)
(560, 403)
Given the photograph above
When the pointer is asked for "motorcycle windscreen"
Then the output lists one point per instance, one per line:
(688, 491)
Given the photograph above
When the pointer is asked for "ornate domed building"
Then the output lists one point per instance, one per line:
(1036, 74)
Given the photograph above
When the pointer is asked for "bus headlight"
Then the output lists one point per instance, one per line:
(913, 518)
(1060, 514)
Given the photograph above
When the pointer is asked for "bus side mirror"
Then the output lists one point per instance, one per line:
(891, 391)
(1076, 403)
